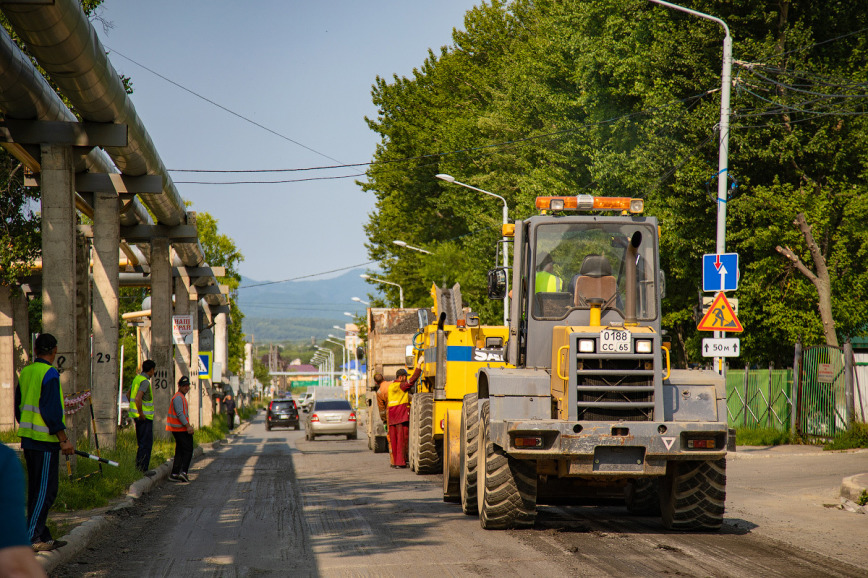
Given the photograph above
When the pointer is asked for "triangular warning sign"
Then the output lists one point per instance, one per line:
(720, 317)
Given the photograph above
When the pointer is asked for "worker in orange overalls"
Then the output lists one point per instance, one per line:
(178, 422)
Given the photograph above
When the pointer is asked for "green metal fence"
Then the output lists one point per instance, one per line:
(821, 405)
(759, 398)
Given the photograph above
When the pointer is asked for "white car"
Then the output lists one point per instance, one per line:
(306, 400)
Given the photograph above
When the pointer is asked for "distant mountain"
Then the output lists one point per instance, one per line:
(298, 310)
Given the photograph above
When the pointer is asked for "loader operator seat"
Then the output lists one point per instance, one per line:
(594, 281)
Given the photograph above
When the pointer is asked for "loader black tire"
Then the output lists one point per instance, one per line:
(467, 454)
(692, 495)
(506, 487)
(427, 456)
(381, 444)
(413, 435)
(642, 496)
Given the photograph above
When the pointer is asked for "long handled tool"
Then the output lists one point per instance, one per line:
(93, 426)
(95, 458)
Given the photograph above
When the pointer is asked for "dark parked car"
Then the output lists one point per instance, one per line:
(282, 413)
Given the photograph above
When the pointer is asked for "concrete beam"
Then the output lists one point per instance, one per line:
(148, 233)
(80, 134)
(212, 290)
(199, 271)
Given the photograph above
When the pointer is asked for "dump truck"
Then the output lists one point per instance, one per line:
(588, 404)
(455, 346)
(390, 334)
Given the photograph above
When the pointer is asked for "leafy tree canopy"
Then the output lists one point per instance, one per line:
(622, 98)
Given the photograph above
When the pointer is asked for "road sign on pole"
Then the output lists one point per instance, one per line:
(720, 317)
(720, 272)
(723, 347)
(205, 365)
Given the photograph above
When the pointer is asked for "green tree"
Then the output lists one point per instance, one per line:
(220, 251)
(621, 98)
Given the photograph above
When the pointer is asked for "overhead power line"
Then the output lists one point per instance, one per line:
(501, 144)
(220, 106)
(306, 276)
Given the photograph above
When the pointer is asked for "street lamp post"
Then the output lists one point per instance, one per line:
(723, 154)
(354, 346)
(451, 179)
(357, 300)
(400, 289)
(330, 363)
(345, 356)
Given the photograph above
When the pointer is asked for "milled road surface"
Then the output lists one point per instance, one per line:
(271, 503)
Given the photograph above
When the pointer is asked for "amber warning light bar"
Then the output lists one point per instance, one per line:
(590, 203)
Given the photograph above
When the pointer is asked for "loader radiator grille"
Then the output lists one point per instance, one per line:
(615, 389)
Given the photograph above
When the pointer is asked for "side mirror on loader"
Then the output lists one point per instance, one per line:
(497, 283)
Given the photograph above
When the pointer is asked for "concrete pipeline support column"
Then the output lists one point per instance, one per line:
(161, 333)
(14, 350)
(80, 416)
(106, 245)
(59, 253)
(186, 355)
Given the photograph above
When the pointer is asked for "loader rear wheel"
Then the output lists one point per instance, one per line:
(381, 445)
(468, 452)
(449, 460)
(642, 496)
(692, 495)
(413, 435)
(506, 487)
(427, 456)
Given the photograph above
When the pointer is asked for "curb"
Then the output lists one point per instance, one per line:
(853, 486)
(80, 536)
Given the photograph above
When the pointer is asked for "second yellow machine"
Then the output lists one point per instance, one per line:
(455, 347)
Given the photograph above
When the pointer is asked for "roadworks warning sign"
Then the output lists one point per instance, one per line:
(720, 317)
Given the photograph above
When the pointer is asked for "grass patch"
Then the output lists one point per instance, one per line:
(761, 437)
(90, 489)
(856, 436)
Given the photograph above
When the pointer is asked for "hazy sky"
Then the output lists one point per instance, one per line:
(302, 69)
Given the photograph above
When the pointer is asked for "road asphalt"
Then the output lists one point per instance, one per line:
(819, 471)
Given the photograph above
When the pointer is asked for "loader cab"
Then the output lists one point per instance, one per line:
(580, 270)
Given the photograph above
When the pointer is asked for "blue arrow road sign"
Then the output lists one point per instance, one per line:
(720, 272)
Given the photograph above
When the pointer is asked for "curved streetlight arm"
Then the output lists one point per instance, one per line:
(451, 179)
(378, 280)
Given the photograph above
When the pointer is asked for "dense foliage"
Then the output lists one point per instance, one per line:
(621, 97)
(220, 251)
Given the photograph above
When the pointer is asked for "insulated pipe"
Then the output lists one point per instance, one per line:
(65, 44)
(26, 95)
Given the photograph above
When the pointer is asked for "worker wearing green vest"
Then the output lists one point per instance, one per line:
(42, 428)
(546, 281)
(142, 411)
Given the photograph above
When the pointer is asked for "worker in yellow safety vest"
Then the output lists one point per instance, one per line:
(42, 428)
(142, 411)
(399, 415)
(546, 281)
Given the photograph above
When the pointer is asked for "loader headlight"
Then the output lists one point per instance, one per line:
(587, 345)
(643, 346)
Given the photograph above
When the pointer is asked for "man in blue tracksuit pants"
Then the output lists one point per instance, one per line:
(42, 428)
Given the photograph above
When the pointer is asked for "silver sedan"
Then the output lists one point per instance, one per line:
(331, 417)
